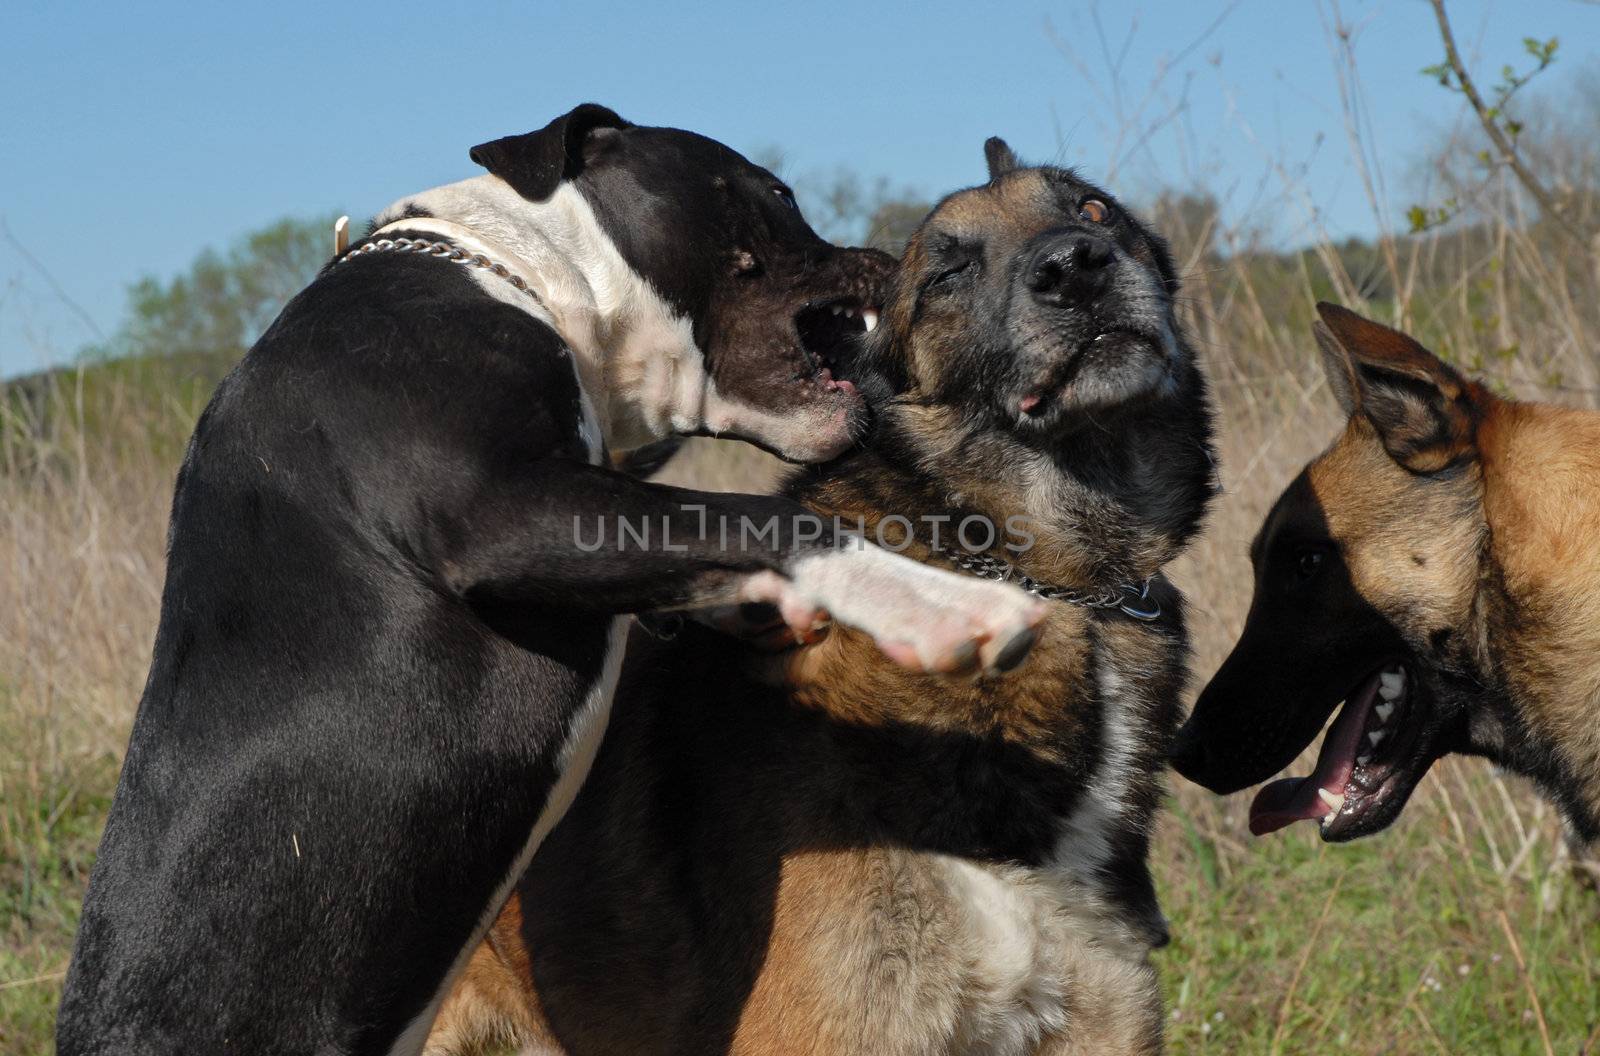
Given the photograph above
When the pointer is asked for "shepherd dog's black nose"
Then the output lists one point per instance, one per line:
(1070, 269)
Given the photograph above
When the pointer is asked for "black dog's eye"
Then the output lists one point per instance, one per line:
(786, 196)
(1307, 563)
(1094, 210)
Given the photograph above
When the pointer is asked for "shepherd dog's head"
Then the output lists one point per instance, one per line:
(1029, 360)
(1379, 582)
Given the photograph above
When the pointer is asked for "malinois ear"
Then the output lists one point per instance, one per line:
(535, 163)
(1000, 157)
(1420, 407)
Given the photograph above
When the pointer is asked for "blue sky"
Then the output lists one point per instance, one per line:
(134, 135)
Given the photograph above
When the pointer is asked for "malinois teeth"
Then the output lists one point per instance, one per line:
(1391, 684)
(1377, 736)
(869, 316)
(1384, 710)
(1332, 799)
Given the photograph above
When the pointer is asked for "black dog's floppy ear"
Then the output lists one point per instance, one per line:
(1000, 157)
(1420, 407)
(535, 163)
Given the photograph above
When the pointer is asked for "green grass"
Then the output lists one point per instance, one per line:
(49, 826)
(1389, 945)
(1281, 945)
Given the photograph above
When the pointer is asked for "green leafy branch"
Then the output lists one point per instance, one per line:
(1501, 129)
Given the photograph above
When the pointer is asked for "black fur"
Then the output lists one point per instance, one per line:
(535, 163)
(375, 632)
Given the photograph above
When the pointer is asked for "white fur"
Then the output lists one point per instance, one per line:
(1013, 962)
(1029, 944)
(895, 599)
(636, 359)
(573, 761)
(611, 319)
(1084, 845)
(1023, 924)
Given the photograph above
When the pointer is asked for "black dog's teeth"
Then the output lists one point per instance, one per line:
(858, 318)
(822, 328)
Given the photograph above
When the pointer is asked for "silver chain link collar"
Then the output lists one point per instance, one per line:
(444, 251)
(1130, 599)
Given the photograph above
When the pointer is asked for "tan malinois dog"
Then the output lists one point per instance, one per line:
(1438, 570)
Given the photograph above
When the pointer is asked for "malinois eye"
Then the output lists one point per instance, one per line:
(786, 196)
(1307, 564)
(1094, 210)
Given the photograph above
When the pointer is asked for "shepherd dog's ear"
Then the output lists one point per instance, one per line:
(535, 163)
(1423, 411)
(1000, 157)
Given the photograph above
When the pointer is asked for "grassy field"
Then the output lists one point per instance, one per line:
(1462, 930)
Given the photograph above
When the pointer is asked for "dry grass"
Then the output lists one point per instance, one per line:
(1396, 944)
(86, 468)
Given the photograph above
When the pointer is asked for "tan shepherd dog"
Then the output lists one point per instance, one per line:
(872, 860)
(1438, 570)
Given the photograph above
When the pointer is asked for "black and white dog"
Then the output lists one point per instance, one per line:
(380, 641)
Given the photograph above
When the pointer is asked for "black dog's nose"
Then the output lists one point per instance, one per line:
(1070, 270)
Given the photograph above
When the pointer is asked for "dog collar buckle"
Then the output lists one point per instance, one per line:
(1137, 602)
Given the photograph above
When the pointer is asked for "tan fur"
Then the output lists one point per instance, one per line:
(1532, 497)
(1542, 503)
(895, 930)
(1408, 547)
(492, 1005)
(914, 938)
(1464, 541)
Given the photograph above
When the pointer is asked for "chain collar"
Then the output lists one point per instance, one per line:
(444, 251)
(1132, 600)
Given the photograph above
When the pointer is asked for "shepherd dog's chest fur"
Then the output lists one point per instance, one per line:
(868, 863)
(970, 859)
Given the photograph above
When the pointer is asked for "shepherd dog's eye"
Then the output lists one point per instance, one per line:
(1094, 210)
(950, 259)
(954, 271)
(786, 196)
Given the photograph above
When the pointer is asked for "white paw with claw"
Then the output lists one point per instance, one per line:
(921, 617)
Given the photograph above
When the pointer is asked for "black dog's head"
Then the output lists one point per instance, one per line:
(723, 244)
(1029, 352)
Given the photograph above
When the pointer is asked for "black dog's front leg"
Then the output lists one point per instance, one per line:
(574, 535)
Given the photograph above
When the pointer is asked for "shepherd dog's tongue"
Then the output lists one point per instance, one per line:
(1295, 799)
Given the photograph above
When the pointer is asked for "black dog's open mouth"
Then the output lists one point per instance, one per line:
(828, 330)
(1371, 759)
